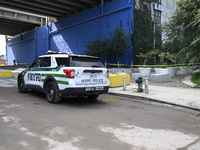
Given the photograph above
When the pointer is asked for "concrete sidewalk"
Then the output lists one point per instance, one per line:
(183, 97)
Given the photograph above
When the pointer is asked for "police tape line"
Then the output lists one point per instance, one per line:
(172, 65)
(14, 64)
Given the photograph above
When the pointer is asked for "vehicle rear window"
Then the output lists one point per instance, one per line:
(86, 62)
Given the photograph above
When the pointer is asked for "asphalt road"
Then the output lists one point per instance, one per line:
(29, 122)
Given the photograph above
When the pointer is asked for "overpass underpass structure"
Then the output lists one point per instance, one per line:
(18, 16)
(77, 23)
(14, 22)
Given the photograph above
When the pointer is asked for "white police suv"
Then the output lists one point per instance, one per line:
(62, 74)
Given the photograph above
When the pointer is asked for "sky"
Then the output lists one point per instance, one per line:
(2, 45)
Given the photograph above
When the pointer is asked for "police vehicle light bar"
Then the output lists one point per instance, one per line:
(54, 52)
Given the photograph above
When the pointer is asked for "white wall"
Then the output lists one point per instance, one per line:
(2, 45)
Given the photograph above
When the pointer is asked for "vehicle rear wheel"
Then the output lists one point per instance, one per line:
(52, 93)
(92, 96)
(21, 85)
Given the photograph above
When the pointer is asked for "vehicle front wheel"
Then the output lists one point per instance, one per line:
(52, 93)
(92, 96)
(21, 85)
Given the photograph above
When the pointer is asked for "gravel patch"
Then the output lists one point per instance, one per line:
(174, 82)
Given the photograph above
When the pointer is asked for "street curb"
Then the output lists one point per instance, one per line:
(154, 100)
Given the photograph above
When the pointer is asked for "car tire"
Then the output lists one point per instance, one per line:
(52, 93)
(21, 85)
(92, 96)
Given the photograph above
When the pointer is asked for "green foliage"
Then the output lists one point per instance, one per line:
(113, 47)
(119, 42)
(156, 55)
(148, 56)
(183, 30)
(196, 78)
(100, 48)
(143, 37)
(171, 46)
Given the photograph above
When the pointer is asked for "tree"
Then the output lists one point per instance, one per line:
(182, 31)
(100, 48)
(113, 46)
(143, 36)
(119, 43)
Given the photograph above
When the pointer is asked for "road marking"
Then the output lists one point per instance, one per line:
(3, 81)
(57, 130)
(8, 82)
(151, 139)
(24, 144)
(53, 144)
(110, 100)
(12, 79)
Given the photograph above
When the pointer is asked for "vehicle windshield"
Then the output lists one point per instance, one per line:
(86, 62)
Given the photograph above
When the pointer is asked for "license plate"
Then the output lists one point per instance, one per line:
(90, 89)
(94, 88)
(99, 88)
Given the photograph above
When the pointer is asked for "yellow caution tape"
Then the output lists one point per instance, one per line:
(172, 65)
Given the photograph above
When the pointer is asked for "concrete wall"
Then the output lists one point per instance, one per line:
(21, 49)
(71, 34)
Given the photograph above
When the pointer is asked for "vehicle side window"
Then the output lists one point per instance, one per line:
(45, 62)
(41, 62)
(62, 62)
(36, 63)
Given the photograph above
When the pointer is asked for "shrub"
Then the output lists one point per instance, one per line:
(196, 78)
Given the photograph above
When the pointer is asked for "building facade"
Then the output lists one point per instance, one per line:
(161, 11)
